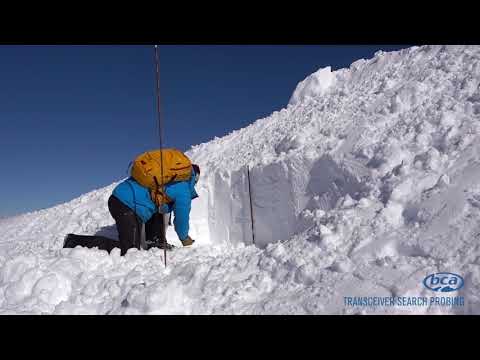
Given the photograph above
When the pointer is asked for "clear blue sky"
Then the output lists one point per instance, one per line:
(73, 117)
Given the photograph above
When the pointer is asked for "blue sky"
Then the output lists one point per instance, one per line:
(73, 117)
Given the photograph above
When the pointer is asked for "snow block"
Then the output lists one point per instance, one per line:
(280, 192)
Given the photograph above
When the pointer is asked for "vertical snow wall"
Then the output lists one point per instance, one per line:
(280, 192)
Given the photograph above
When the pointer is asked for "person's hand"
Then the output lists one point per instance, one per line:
(188, 241)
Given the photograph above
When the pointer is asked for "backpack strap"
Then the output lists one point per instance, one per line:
(158, 196)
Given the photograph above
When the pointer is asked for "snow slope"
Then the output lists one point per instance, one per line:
(363, 185)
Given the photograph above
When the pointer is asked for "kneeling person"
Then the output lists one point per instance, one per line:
(132, 204)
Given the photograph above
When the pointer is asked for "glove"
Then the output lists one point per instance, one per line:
(188, 241)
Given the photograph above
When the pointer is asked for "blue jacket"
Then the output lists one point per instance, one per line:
(137, 198)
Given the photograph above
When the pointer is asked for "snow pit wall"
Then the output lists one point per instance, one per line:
(280, 192)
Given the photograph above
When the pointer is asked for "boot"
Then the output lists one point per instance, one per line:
(169, 246)
(156, 242)
(69, 241)
(188, 241)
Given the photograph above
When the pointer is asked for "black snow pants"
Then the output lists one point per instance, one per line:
(129, 227)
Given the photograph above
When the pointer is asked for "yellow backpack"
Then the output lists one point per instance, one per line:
(146, 170)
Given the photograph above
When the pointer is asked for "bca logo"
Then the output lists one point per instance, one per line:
(443, 282)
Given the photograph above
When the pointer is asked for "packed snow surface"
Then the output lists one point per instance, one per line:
(368, 181)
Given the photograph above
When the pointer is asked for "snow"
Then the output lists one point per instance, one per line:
(362, 186)
(313, 86)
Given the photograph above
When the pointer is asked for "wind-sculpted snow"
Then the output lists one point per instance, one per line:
(313, 86)
(366, 183)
